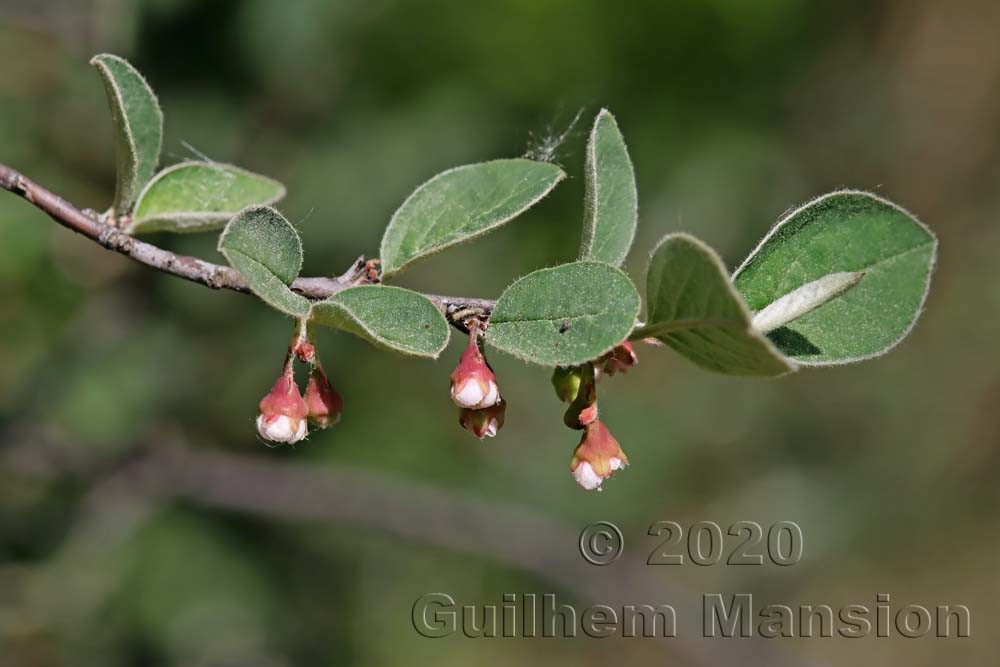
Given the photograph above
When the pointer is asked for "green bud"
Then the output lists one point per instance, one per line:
(583, 410)
(566, 382)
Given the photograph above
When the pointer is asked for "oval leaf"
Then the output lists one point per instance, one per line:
(462, 203)
(611, 204)
(392, 318)
(566, 315)
(694, 309)
(138, 127)
(266, 250)
(199, 196)
(846, 231)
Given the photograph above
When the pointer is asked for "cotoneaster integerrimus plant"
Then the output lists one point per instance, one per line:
(842, 278)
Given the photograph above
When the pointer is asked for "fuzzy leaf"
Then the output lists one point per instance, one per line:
(566, 315)
(266, 250)
(844, 231)
(199, 196)
(611, 204)
(138, 127)
(392, 318)
(694, 309)
(462, 203)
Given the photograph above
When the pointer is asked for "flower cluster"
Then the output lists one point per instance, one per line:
(475, 391)
(598, 455)
(285, 414)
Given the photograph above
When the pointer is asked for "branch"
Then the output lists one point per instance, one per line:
(190, 268)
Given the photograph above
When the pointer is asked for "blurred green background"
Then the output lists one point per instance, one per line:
(143, 523)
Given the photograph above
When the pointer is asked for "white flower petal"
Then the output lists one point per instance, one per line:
(492, 396)
(468, 395)
(281, 429)
(586, 477)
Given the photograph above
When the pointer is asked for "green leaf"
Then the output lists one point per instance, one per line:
(566, 315)
(839, 232)
(266, 250)
(462, 203)
(392, 318)
(138, 127)
(611, 204)
(694, 309)
(199, 196)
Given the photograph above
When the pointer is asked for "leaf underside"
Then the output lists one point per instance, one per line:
(462, 203)
(805, 299)
(694, 309)
(844, 231)
(138, 127)
(264, 247)
(392, 318)
(200, 196)
(611, 202)
(566, 315)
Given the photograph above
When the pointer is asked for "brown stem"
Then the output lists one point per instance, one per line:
(196, 270)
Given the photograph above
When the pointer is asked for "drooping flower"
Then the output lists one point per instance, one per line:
(485, 422)
(473, 384)
(324, 404)
(596, 457)
(620, 359)
(283, 411)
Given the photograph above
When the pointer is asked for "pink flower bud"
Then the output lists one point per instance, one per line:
(596, 457)
(283, 412)
(473, 384)
(620, 359)
(484, 422)
(305, 351)
(324, 403)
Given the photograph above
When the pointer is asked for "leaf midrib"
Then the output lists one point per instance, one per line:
(561, 318)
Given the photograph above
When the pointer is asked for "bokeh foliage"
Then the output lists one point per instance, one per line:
(733, 112)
